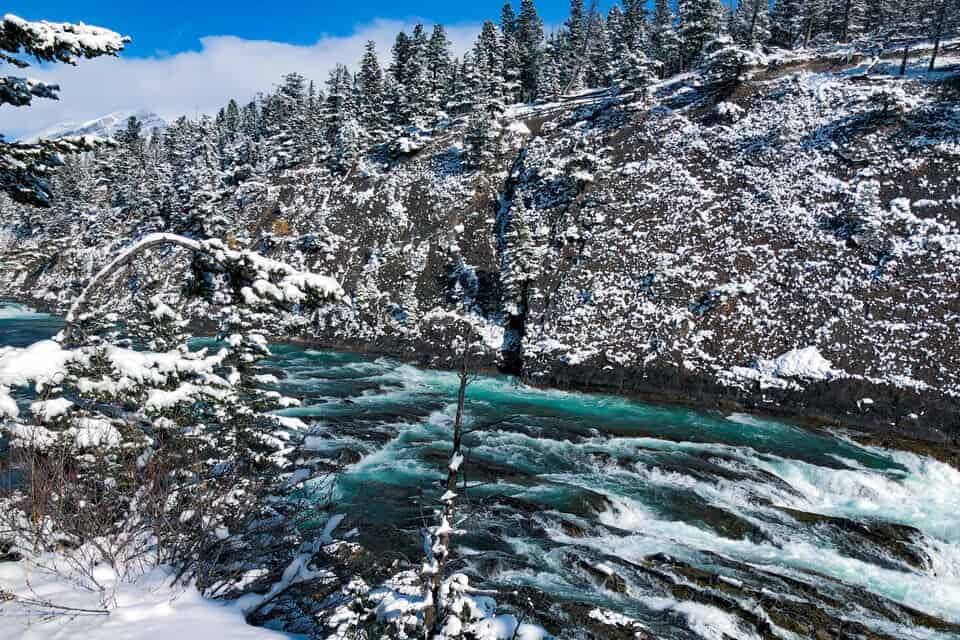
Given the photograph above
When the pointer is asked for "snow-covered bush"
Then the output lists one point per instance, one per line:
(170, 449)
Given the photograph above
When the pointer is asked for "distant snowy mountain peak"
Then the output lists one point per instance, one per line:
(103, 127)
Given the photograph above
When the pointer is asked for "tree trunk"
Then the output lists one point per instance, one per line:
(903, 62)
(845, 35)
(941, 16)
(431, 617)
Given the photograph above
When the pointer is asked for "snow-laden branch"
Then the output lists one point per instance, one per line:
(148, 242)
(271, 281)
(20, 92)
(57, 41)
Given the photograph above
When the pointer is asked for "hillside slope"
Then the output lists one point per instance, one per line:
(791, 245)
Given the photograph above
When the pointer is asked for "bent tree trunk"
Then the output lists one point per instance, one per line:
(151, 241)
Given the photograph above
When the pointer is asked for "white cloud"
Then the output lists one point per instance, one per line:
(197, 81)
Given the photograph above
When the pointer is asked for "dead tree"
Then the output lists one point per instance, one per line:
(438, 538)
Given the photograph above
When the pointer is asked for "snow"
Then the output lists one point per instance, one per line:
(48, 410)
(94, 432)
(806, 363)
(146, 607)
(8, 406)
(104, 127)
(43, 361)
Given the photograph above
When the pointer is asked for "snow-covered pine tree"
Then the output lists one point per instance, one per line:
(548, 83)
(751, 23)
(617, 34)
(371, 108)
(699, 25)
(338, 104)
(664, 41)
(847, 18)
(786, 23)
(25, 168)
(397, 107)
(510, 54)
(598, 57)
(815, 20)
(416, 85)
(439, 69)
(635, 31)
(232, 119)
(486, 84)
(530, 40)
(723, 66)
(205, 178)
(130, 165)
(487, 67)
(171, 449)
(156, 187)
(458, 89)
(519, 262)
(636, 72)
(288, 142)
(573, 40)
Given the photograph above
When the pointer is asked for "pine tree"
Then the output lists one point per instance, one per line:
(458, 90)
(338, 104)
(487, 67)
(415, 82)
(131, 166)
(232, 119)
(289, 142)
(510, 51)
(664, 41)
(24, 168)
(548, 83)
(751, 23)
(618, 36)
(396, 94)
(530, 39)
(699, 25)
(814, 20)
(519, 264)
(573, 40)
(486, 86)
(786, 23)
(439, 69)
(847, 16)
(634, 31)
(598, 59)
(371, 109)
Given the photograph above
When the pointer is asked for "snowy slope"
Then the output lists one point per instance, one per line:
(792, 246)
(105, 126)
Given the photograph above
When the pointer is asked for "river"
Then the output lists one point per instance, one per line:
(700, 525)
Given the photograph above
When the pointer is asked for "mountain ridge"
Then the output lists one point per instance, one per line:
(105, 126)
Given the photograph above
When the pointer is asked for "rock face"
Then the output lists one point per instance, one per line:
(792, 247)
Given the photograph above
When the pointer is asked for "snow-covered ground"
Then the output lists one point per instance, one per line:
(51, 601)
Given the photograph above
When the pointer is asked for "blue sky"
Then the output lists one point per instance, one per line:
(160, 28)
